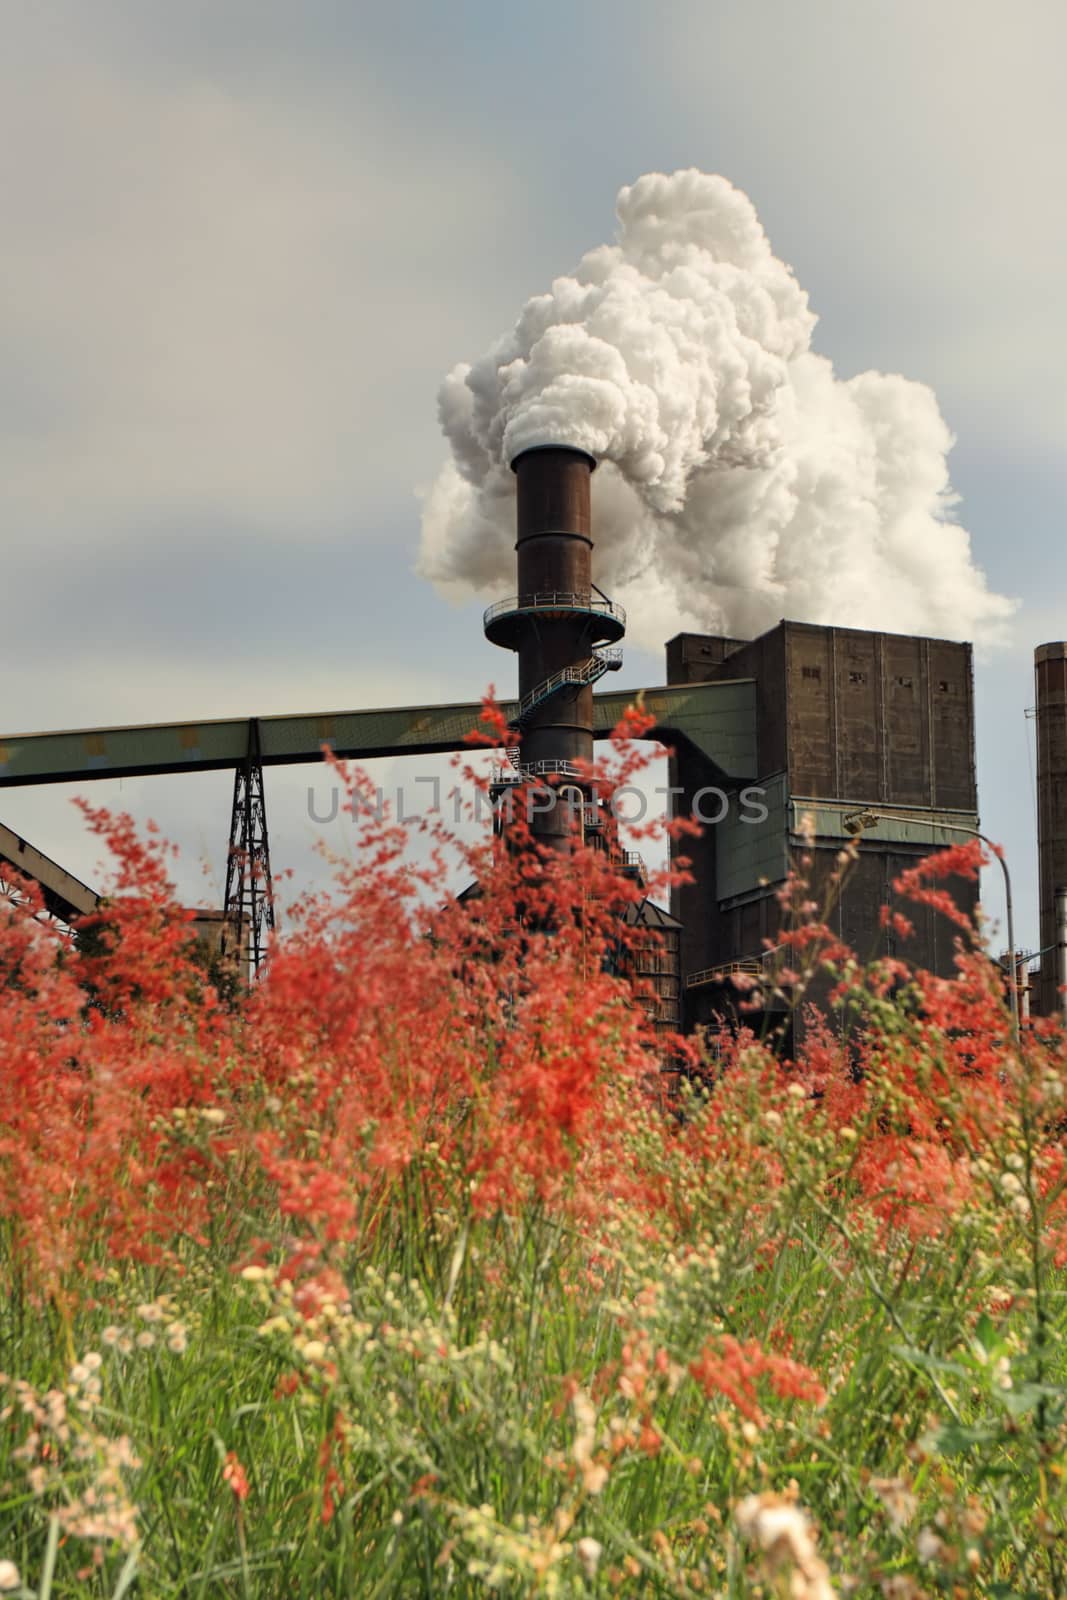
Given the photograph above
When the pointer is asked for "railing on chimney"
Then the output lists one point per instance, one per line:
(559, 600)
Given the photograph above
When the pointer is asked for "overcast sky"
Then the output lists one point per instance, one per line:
(244, 240)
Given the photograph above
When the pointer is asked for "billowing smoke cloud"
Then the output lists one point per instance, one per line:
(740, 480)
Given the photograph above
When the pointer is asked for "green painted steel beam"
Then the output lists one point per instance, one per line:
(925, 828)
(718, 719)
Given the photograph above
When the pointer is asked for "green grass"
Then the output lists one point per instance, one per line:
(449, 1393)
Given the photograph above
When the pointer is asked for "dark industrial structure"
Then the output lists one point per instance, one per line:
(846, 721)
(248, 906)
(1050, 675)
(654, 962)
(777, 743)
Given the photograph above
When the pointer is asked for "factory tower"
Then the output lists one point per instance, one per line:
(558, 624)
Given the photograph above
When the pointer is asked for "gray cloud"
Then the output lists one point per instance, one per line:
(219, 298)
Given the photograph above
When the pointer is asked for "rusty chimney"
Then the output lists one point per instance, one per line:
(555, 623)
(1050, 674)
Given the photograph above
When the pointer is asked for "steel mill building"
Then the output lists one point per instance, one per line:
(803, 736)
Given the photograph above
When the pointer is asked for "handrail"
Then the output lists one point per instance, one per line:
(546, 769)
(555, 600)
(751, 966)
(756, 965)
(538, 769)
(589, 671)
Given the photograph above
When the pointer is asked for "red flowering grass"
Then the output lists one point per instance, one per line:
(490, 1032)
(735, 1370)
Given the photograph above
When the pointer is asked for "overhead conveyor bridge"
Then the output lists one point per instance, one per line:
(717, 719)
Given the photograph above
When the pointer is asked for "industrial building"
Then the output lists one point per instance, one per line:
(846, 721)
(796, 733)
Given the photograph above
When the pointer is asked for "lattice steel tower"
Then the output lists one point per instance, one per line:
(248, 909)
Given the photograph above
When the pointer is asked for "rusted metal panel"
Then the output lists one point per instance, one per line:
(905, 778)
(857, 753)
(553, 491)
(951, 700)
(810, 709)
(880, 717)
(697, 657)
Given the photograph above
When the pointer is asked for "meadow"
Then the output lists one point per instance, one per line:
(411, 1272)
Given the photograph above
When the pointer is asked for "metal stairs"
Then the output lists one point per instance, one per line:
(601, 661)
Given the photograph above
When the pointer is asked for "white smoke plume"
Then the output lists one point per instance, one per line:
(740, 481)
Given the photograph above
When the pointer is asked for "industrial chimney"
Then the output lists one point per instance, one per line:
(1050, 674)
(555, 623)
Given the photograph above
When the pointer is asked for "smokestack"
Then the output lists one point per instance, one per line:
(1061, 950)
(555, 622)
(1050, 675)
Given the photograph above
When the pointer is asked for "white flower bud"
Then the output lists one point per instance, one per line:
(588, 1552)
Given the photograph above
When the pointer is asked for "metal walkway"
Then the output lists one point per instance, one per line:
(604, 618)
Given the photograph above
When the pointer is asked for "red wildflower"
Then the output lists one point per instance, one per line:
(735, 1370)
(649, 1440)
(233, 1473)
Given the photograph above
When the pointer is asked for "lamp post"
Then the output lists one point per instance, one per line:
(859, 821)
